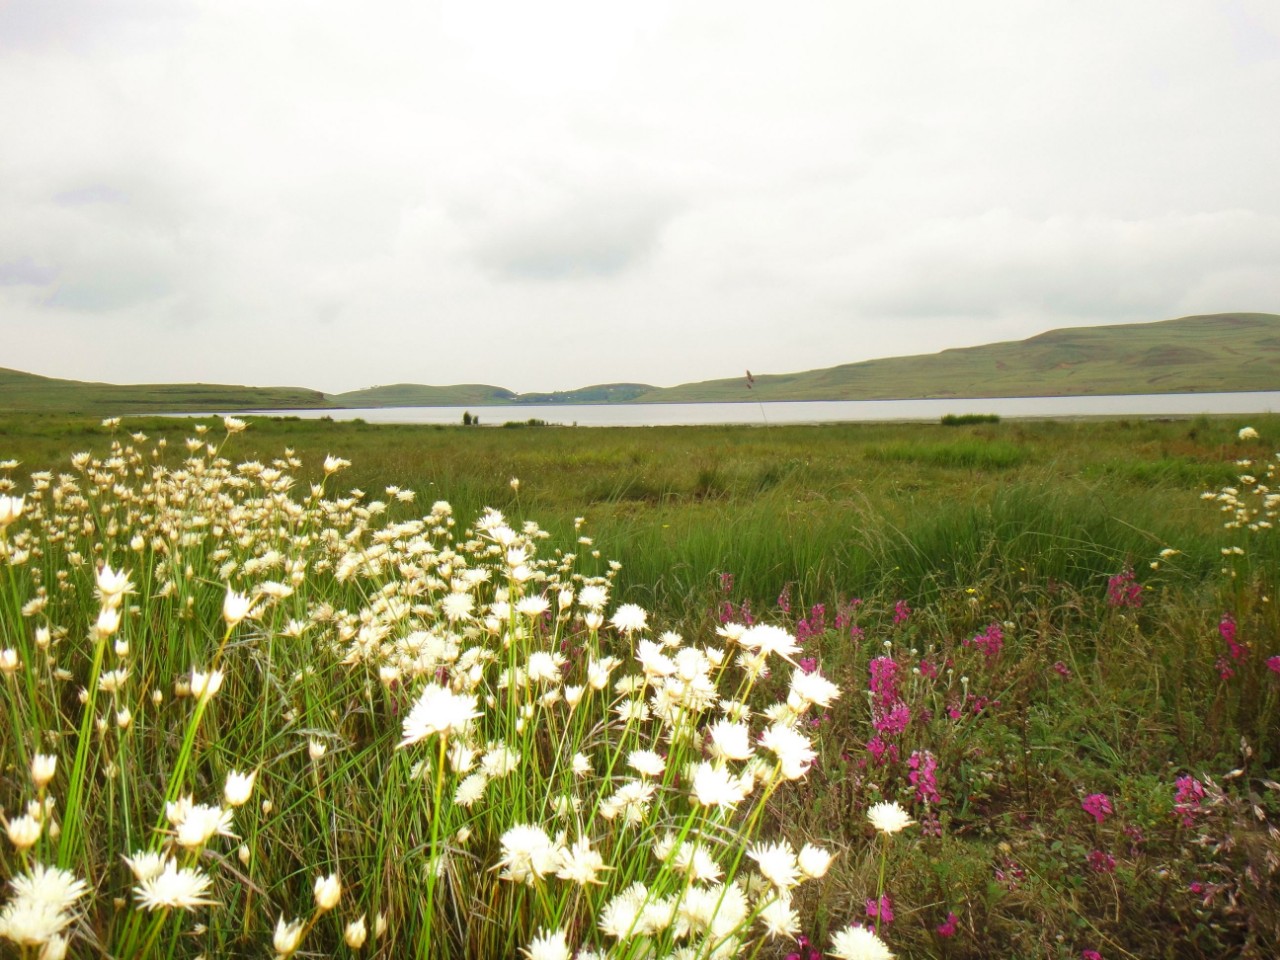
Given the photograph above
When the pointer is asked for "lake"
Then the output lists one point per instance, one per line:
(814, 411)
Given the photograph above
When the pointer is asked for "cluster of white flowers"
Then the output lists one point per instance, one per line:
(644, 759)
(1253, 502)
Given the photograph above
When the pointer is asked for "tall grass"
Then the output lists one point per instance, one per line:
(448, 761)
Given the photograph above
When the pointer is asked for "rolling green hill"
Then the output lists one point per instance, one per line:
(1219, 352)
(422, 395)
(596, 393)
(29, 393)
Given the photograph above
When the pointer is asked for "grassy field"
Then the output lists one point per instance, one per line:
(1049, 654)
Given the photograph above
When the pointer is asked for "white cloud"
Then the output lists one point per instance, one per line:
(335, 196)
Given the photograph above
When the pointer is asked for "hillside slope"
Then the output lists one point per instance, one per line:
(1213, 353)
(29, 393)
(422, 395)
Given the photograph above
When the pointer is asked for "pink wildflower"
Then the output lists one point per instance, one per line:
(1273, 664)
(1188, 799)
(893, 721)
(882, 910)
(882, 752)
(1097, 805)
(1101, 862)
(884, 682)
(901, 612)
(1062, 670)
(1123, 590)
(923, 766)
(990, 642)
(1227, 630)
(1090, 955)
(948, 927)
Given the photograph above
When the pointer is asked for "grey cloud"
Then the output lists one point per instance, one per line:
(94, 193)
(105, 286)
(25, 272)
(79, 24)
(599, 237)
(1093, 269)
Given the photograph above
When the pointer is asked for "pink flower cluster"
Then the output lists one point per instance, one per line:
(882, 752)
(901, 612)
(1188, 799)
(889, 712)
(805, 944)
(990, 642)
(1097, 805)
(1101, 862)
(1123, 590)
(881, 910)
(948, 927)
(1237, 650)
(923, 776)
(814, 626)
(884, 682)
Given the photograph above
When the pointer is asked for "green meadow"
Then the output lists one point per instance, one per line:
(1053, 652)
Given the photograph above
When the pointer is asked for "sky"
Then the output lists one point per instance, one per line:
(546, 195)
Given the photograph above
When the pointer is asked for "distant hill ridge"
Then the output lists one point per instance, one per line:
(29, 392)
(1219, 352)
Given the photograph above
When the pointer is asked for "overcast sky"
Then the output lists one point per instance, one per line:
(543, 195)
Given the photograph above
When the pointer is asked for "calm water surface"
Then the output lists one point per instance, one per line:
(814, 411)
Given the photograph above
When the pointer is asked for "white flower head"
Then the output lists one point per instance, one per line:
(10, 509)
(174, 889)
(548, 945)
(528, 854)
(199, 823)
(288, 937)
(715, 786)
(146, 864)
(43, 766)
(629, 618)
(646, 762)
(328, 891)
(50, 886)
(814, 861)
(238, 788)
(236, 607)
(777, 863)
(794, 752)
(23, 831)
(766, 638)
(356, 933)
(112, 585)
(889, 817)
(859, 943)
(205, 685)
(437, 710)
